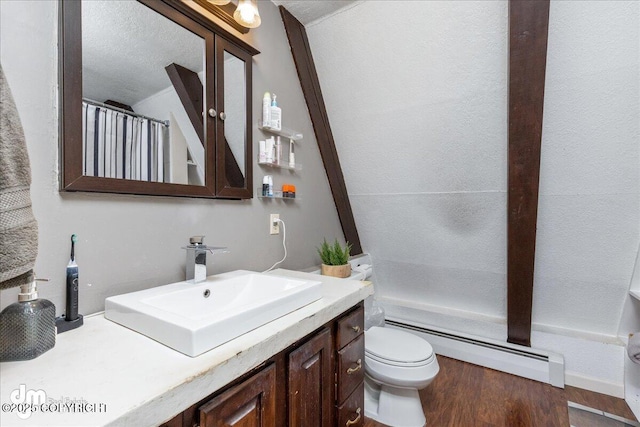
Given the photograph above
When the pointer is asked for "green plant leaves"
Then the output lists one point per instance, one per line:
(334, 254)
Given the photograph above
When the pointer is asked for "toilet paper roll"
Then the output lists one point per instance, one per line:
(633, 348)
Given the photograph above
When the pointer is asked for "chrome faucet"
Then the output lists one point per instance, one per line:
(196, 267)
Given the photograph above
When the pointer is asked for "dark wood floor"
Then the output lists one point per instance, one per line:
(469, 395)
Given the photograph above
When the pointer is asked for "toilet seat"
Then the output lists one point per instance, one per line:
(397, 365)
(397, 348)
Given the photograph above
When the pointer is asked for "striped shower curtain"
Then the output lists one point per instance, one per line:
(119, 145)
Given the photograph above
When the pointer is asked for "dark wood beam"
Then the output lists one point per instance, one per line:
(70, 73)
(306, 68)
(189, 89)
(528, 31)
(233, 174)
(119, 105)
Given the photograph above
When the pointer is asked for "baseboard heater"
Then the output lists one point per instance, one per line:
(538, 365)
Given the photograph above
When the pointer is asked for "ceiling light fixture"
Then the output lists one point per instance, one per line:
(219, 2)
(247, 14)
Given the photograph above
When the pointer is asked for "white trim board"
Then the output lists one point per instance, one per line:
(598, 385)
(494, 326)
(518, 360)
(486, 352)
(593, 363)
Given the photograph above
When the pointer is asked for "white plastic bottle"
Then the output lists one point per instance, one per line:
(271, 150)
(276, 114)
(278, 150)
(292, 155)
(266, 110)
(262, 156)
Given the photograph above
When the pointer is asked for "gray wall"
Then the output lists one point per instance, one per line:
(127, 243)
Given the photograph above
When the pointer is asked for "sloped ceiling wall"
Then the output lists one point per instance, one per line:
(589, 213)
(417, 104)
(416, 94)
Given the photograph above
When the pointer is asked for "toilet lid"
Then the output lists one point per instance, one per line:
(397, 347)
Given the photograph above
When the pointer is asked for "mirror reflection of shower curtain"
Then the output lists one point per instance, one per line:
(119, 145)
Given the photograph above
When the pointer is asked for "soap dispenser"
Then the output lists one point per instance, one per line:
(27, 327)
(276, 114)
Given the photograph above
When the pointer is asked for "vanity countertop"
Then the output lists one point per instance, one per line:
(106, 374)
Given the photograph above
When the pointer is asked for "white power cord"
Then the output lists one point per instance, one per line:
(284, 244)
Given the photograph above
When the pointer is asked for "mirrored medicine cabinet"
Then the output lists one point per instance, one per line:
(155, 100)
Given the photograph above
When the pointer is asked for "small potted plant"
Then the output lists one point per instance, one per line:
(335, 259)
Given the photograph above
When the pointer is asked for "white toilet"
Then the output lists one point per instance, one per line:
(397, 365)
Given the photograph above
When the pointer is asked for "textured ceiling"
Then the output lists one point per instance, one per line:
(125, 47)
(308, 11)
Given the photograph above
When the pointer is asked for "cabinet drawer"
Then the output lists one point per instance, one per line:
(351, 412)
(350, 368)
(252, 403)
(174, 422)
(350, 326)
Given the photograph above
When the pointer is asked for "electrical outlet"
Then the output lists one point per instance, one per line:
(274, 226)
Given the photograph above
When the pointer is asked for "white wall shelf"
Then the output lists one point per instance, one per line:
(284, 132)
(288, 134)
(297, 167)
(277, 196)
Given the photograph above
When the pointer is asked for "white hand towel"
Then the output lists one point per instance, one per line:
(633, 348)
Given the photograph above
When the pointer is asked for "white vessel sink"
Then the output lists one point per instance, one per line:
(194, 318)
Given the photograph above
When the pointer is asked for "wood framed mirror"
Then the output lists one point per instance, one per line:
(142, 100)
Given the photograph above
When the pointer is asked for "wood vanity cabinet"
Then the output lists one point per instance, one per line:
(310, 382)
(316, 382)
(252, 403)
(350, 369)
(176, 421)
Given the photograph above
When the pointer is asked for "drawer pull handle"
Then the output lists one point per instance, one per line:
(356, 329)
(355, 420)
(357, 368)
